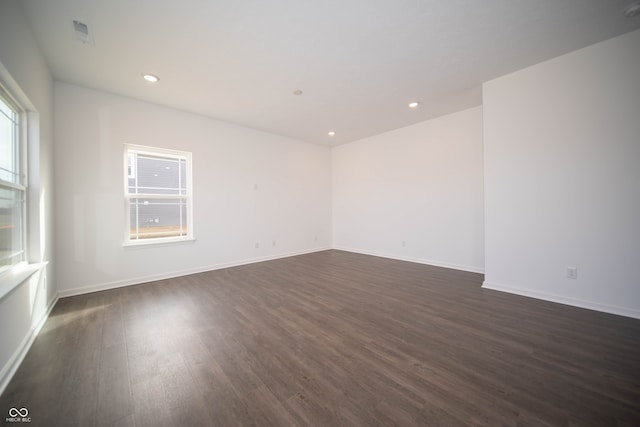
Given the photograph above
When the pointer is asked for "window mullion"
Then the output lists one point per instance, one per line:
(7, 184)
(156, 196)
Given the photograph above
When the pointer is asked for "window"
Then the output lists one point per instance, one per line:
(12, 185)
(158, 195)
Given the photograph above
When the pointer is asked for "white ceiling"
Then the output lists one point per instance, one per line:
(358, 62)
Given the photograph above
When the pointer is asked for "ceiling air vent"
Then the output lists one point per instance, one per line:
(81, 31)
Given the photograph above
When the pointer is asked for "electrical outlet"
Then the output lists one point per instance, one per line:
(572, 273)
(257, 245)
(273, 243)
(404, 243)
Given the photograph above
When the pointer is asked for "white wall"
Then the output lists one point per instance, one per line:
(25, 73)
(421, 185)
(291, 204)
(562, 178)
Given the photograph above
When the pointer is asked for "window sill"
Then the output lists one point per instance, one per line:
(10, 279)
(156, 243)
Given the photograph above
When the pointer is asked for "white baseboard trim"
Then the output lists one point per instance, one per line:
(169, 275)
(605, 308)
(416, 260)
(9, 370)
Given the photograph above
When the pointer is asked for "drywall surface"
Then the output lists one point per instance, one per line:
(414, 193)
(562, 178)
(250, 189)
(24, 73)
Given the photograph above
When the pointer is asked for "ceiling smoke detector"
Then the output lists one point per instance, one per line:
(81, 31)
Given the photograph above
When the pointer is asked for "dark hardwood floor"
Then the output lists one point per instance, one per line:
(328, 339)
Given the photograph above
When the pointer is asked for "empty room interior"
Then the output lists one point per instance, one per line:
(358, 213)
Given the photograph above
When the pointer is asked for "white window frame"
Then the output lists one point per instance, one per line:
(22, 184)
(188, 198)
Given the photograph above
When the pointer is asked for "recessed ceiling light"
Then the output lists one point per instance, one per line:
(152, 78)
(414, 104)
(331, 133)
(632, 10)
(297, 92)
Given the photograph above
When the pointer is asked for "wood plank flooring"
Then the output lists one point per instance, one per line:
(327, 339)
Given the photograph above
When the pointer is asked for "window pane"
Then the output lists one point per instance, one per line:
(157, 218)
(183, 176)
(5, 109)
(131, 173)
(11, 241)
(8, 144)
(156, 175)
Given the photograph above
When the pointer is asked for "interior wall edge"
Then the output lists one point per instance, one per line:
(170, 275)
(12, 365)
(468, 268)
(590, 305)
